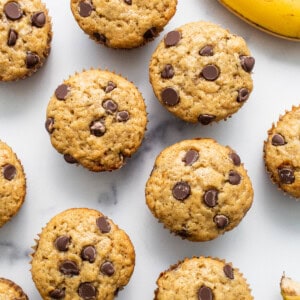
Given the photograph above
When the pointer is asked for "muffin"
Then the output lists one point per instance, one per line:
(201, 72)
(199, 189)
(124, 23)
(202, 278)
(96, 119)
(25, 33)
(12, 184)
(11, 291)
(281, 152)
(81, 254)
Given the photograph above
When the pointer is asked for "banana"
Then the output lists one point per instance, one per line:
(290, 289)
(277, 17)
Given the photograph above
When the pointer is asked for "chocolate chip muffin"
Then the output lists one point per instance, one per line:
(25, 37)
(12, 184)
(202, 278)
(11, 291)
(281, 152)
(199, 189)
(96, 119)
(81, 254)
(123, 23)
(201, 72)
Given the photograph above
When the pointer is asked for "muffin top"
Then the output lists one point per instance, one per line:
(97, 119)
(88, 257)
(281, 152)
(25, 36)
(199, 189)
(202, 278)
(201, 72)
(123, 23)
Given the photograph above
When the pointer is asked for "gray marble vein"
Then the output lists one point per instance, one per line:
(13, 253)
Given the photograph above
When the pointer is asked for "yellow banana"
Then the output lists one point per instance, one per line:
(277, 17)
(290, 289)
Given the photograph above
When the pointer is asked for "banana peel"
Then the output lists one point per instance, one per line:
(276, 17)
(290, 289)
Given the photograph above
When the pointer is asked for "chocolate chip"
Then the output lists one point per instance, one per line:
(97, 128)
(13, 11)
(210, 72)
(110, 106)
(38, 19)
(243, 95)
(207, 51)
(88, 253)
(206, 119)
(286, 175)
(221, 221)
(278, 140)
(191, 157)
(167, 72)
(211, 198)
(181, 190)
(107, 268)
(62, 91)
(12, 37)
(49, 125)
(85, 9)
(62, 243)
(110, 86)
(235, 159)
(172, 38)
(101, 38)
(9, 172)
(129, 2)
(57, 294)
(31, 60)
(69, 267)
(70, 159)
(234, 178)
(122, 116)
(169, 96)
(205, 293)
(87, 291)
(150, 33)
(228, 271)
(103, 225)
(247, 63)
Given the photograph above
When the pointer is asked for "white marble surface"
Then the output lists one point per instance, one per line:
(266, 242)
